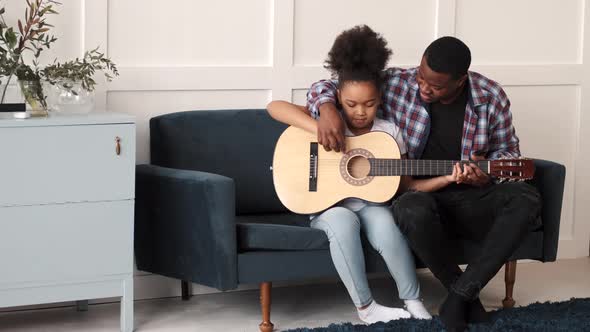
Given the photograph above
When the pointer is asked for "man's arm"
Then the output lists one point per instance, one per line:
(321, 92)
(503, 142)
(321, 99)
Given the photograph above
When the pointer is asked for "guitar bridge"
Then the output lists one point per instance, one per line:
(313, 166)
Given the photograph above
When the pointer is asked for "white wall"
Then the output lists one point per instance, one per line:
(195, 54)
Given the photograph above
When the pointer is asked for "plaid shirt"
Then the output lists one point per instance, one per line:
(487, 126)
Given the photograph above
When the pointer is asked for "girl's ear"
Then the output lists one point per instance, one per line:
(339, 98)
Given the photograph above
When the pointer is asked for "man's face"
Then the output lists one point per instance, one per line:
(436, 87)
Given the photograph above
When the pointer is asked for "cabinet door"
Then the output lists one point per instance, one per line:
(60, 164)
(65, 242)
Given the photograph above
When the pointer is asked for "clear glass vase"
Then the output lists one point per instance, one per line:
(68, 97)
(34, 97)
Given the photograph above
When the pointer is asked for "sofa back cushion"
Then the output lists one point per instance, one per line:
(235, 143)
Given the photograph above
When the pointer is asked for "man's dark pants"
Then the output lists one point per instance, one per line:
(498, 216)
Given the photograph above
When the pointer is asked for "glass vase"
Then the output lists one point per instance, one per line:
(69, 97)
(34, 98)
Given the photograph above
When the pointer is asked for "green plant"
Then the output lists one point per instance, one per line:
(30, 36)
(80, 70)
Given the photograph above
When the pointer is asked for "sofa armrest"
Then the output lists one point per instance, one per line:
(185, 225)
(549, 180)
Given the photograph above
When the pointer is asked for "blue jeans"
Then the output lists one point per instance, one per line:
(343, 228)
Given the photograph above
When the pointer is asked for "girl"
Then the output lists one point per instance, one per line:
(358, 58)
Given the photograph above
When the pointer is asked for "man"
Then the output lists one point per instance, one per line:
(447, 112)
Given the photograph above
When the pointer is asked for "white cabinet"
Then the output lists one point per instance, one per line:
(67, 185)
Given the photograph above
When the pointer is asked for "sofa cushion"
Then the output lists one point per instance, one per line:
(238, 144)
(281, 231)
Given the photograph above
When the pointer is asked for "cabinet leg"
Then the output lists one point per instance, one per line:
(127, 305)
(82, 305)
(186, 290)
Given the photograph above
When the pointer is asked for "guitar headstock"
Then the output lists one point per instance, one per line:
(513, 169)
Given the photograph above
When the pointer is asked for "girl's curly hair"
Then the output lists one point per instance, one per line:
(358, 54)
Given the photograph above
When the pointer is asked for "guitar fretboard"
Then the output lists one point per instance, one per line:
(397, 167)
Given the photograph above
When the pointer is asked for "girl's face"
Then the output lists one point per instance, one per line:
(360, 101)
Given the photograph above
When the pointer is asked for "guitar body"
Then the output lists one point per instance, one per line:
(309, 179)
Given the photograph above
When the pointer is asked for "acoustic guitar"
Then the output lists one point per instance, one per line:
(309, 179)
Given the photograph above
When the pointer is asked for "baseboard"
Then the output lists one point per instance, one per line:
(149, 286)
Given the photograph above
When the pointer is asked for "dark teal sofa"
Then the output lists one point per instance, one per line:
(206, 210)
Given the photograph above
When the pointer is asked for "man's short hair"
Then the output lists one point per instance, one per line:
(448, 55)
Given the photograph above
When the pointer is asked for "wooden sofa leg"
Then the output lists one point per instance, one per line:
(186, 290)
(266, 325)
(509, 278)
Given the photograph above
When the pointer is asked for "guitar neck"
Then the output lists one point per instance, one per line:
(397, 167)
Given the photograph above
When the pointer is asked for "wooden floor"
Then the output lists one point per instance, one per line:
(300, 306)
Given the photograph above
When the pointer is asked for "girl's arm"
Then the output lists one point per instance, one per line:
(425, 185)
(293, 115)
(408, 183)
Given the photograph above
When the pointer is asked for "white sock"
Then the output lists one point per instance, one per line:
(377, 313)
(417, 309)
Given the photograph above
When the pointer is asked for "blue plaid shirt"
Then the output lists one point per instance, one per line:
(487, 126)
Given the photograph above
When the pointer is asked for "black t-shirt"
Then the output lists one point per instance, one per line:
(446, 132)
(446, 129)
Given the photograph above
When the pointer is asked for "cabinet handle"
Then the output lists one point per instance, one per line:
(118, 145)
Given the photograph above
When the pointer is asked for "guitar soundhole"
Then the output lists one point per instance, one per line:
(355, 167)
(358, 167)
